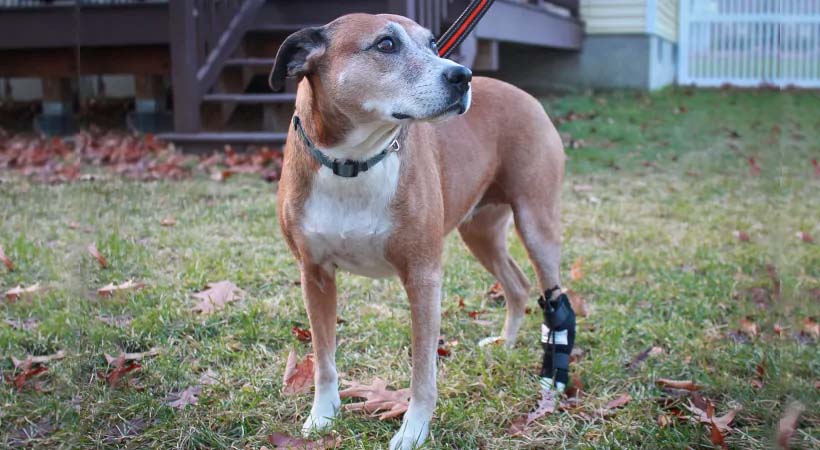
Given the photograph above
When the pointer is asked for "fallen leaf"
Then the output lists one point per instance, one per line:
(216, 296)
(460, 303)
(209, 377)
(687, 385)
(760, 372)
(742, 236)
(30, 367)
(576, 272)
(73, 225)
(6, 261)
(475, 314)
(578, 303)
(188, 396)
(707, 416)
(120, 369)
(18, 292)
(641, 357)
(111, 289)
(298, 377)
(132, 356)
(748, 327)
(301, 334)
(168, 222)
(816, 166)
(284, 442)
(32, 360)
(125, 430)
(805, 237)
(377, 398)
(39, 430)
(122, 321)
(811, 327)
(546, 405)
(92, 249)
(788, 424)
(619, 402)
(27, 325)
(754, 169)
(496, 292)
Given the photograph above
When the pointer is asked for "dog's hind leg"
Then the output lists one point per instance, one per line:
(319, 293)
(486, 236)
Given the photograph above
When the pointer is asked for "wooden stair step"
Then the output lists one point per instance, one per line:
(258, 99)
(224, 138)
(280, 27)
(255, 62)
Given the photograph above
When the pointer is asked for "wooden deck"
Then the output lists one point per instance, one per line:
(217, 52)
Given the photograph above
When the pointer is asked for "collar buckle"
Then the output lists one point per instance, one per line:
(347, 168)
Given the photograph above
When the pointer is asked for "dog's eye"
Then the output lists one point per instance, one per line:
(386, 45)
(433, 45)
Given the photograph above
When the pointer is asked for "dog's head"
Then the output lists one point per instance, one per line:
(382, 68)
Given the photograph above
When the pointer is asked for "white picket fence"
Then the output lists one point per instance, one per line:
(749, 43)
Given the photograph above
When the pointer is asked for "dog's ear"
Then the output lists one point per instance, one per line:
(297, 56)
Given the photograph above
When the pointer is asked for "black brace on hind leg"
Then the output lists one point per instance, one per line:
(557, 338)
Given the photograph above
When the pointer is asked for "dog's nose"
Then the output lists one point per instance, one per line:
(458, 76)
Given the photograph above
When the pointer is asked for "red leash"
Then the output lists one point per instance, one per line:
(462, 27)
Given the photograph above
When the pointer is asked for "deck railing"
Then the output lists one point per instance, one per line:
(204, 35)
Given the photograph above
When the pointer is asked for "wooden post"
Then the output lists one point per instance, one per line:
(184, 66)
(58, 107)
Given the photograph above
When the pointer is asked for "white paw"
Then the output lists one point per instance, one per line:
(325, 408)
(411, 435)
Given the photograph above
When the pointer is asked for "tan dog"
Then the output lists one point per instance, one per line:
(373, 83)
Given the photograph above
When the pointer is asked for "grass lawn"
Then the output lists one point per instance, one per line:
(655, 189)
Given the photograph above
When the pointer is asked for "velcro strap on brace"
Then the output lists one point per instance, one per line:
(557, 336)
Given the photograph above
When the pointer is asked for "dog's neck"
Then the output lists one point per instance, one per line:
(335, 133)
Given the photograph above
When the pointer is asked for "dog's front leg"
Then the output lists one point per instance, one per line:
(319, 292)
(423, 286)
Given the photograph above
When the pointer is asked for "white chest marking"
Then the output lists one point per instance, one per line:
(348, 220)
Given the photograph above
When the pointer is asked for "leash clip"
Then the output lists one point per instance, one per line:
(395, 146)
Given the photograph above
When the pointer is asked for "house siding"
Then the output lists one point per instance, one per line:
(666, 19)
(659, 17)
(614, 16)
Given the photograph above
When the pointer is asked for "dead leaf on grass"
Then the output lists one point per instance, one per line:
(30, 367)
(298, 377)
(642, 356)
(811, 327)
(6, 261)
(125, 430)
(188, 396)
(19, 292)
(39, 430)
(754, 169)
(576, 272)
(168, 222)
(377, 398)
(216, 296)
(805, 237)
(578, 303)
(546, 405)
(122, 321)
(687, 385)
(284, 442)
(788, 424)
(614, 404)
(209, 377)
(748, 327)
(112, 289)
(741, 236)
(27, 325)
(301, 334)
(496, 292)
(123, 364)
(93, 251)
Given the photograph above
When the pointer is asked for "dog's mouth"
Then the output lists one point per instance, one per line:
(457, 107)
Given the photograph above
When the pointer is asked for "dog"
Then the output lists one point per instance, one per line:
(391, 148)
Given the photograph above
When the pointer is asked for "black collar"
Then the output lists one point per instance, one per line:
(347, 168)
